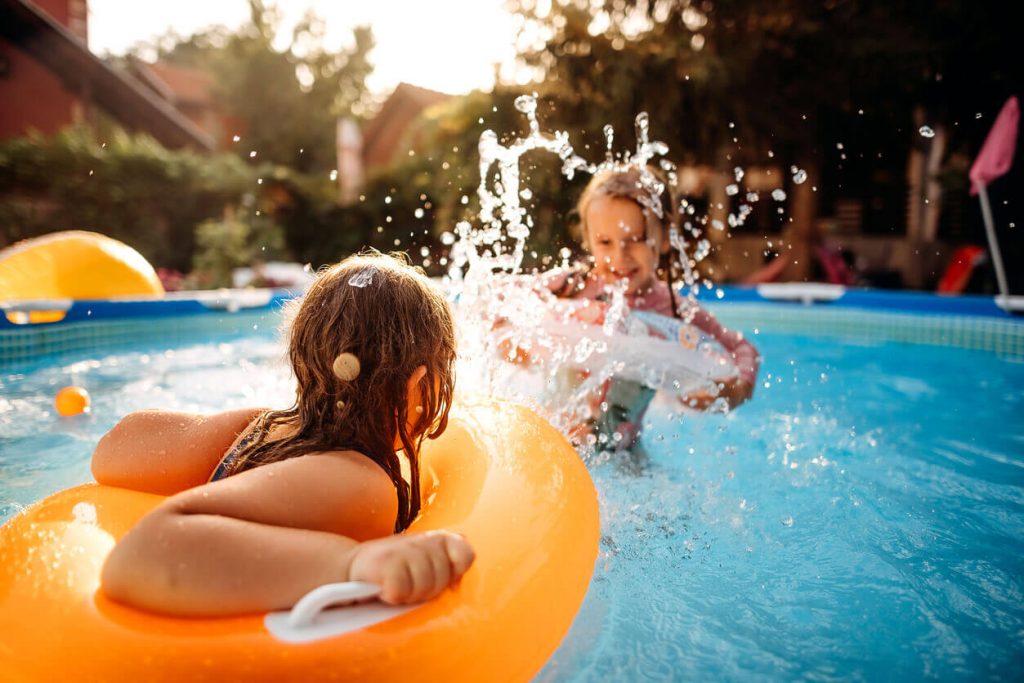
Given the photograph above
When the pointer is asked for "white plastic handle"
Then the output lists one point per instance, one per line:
(318, 599)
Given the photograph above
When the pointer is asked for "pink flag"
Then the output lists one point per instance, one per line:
(996, 155)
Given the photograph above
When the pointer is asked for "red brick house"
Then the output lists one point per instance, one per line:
(49, 79)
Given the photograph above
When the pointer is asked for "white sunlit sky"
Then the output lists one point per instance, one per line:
(447, 45)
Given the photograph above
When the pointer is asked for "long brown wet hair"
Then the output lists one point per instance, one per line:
(653, 193)
(390, 316)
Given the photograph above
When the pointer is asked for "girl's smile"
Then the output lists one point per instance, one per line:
(616, 231)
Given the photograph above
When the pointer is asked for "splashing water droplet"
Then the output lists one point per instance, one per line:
(526, 104)
(799, 175)
(361, 280)
(779, 195)
(642, 126)
(926, 132)
(447, 239)
(732, 189)
(738, 172)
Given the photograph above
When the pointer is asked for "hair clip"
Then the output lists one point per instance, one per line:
(346, 367)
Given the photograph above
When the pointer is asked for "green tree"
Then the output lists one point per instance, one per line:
(774, 75)
(286, 100)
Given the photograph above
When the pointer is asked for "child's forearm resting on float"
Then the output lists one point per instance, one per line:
(261, 539)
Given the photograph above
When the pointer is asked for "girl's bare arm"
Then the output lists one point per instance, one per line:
(259, 540)
(165, 452)
(744, 356)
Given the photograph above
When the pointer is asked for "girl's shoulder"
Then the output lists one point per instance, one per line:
(163, 451)
(341, 492)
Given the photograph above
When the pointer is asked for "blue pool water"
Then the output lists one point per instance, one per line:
(862, 518)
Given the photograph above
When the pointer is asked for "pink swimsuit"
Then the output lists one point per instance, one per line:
(627, 401)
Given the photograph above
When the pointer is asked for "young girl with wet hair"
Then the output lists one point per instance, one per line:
(266, 505)
(625, 219)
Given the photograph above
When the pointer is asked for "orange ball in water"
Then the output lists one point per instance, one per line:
(72, 401)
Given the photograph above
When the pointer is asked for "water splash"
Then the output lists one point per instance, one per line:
(503, 314)
(361, 279)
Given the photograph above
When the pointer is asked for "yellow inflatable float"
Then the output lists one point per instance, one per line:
(500, 474)
(74, 265)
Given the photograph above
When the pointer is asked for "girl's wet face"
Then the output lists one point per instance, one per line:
(617, 237)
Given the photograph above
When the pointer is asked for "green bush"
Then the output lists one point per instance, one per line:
(222, 246)
(126, 186)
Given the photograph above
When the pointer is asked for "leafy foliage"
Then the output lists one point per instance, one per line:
(128, 187)
(287, 100)
(779, 72)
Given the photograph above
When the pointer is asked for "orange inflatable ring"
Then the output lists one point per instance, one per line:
(500, 474)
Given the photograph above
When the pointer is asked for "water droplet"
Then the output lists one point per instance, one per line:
(361, 279)
(799, 176)
(334, 175)
(926, 132)
(779, 195)
(732, 189)
(526, 104)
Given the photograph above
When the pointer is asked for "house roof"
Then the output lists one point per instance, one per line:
(67, 57)
(185, 86)
(383, 132)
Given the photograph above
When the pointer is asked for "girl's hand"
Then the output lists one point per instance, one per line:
(589, 312)
(734, 391)
(513, 353)
(414, 567)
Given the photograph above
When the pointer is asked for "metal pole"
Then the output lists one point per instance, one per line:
(993, 244)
